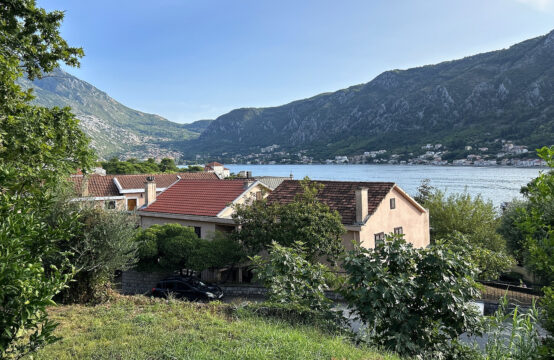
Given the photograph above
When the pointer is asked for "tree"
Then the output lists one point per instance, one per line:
(536, 220)
(291, 279)
(305, 220)
(103, 243)
(477, 221)
(536, 223)
(168, 165)
(38, 147)
(26, 286)
(414, 301)
(173, 247)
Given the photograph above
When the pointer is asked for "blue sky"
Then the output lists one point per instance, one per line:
(197, 59)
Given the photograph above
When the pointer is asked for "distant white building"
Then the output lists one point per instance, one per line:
(221, 171)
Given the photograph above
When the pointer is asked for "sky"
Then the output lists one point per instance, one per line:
(188, 60)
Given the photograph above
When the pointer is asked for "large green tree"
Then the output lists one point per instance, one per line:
(461, 219)
(38, 148)
(416, 302)
(305, 220)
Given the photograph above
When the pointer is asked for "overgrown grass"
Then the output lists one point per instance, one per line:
(143, 328)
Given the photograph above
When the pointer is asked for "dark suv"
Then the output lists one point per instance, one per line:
(189, 288)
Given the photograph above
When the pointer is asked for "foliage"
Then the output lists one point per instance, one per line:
(536, 221)
(512, 214)
(38, 147)
(523, 340)
(424, 191)
(547, 320)
(291, 279)
(306, 220)
(142, 328)
(477, 221)
(172, 247)
(134, 166)
(490, 264)
(103, 243)
(219, 251)
(414, 301)
(26, 286)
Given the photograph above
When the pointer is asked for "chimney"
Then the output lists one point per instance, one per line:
(361, 204)
(291, 176)
(149, 190)
(247, 184)
(84, 186)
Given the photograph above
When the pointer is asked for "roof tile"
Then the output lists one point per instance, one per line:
(338, 195)
(197, 197)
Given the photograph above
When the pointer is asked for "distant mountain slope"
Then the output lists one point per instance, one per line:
(501, 94)
(114, 128)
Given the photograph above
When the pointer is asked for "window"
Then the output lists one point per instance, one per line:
(259, 195)
(379, 239)
(393, 203)
(198, 231)
(398, 230)
(109, 204)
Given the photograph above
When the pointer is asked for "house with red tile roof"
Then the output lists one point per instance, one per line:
(219, 169)
(205, 205)
(369, 210)
(126, 192)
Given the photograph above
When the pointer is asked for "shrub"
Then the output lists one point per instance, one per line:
(413, 301)
(477, 221)
(290, 278)
(173, 247)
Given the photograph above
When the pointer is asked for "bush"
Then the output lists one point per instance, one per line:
(102, 244)
(173, 247)
(477, 221)
(291, 279)
(414, 301)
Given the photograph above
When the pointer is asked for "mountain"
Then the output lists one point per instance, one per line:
(115, 129)
(504, 94)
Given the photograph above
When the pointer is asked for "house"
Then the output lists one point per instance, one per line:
(214, 167)
(369, 210)
(126, 192)
(205, 205)
(272, 182)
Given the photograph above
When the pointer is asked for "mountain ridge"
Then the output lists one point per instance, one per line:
(115, 129)
(478, 93)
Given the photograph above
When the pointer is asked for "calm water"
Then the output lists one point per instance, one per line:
(498, 184)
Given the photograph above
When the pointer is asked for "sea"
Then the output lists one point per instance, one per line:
(497, 184)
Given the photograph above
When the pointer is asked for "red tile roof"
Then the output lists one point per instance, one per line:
(214, 163)
(338, 195)
(98, 185)
(162, 180)
(197, 197)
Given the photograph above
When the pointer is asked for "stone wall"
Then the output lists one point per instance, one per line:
(139, 282)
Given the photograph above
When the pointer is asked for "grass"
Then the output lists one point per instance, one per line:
(143, 328)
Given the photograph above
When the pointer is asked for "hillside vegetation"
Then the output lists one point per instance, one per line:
(114, 128)
(507, 94)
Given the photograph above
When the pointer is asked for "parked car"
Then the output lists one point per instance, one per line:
(190, 288)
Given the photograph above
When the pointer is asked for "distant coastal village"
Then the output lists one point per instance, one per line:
(499, 153)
